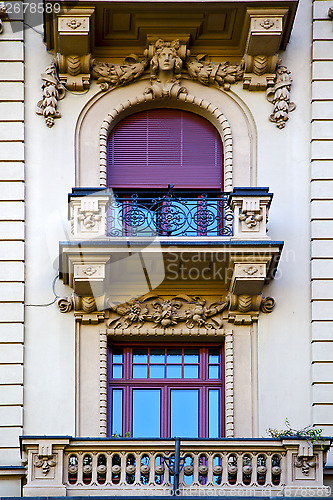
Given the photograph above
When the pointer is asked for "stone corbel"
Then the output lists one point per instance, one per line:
(244, 309)
(74, 71)
(263, 43)
(85, 275)
(73, 47)
(3, 16)
(87, 309)
(250, 207)
(88, 216)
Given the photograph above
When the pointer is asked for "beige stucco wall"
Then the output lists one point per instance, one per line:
(282, 386)
(11, 250)
(321, 219)
(283, 165)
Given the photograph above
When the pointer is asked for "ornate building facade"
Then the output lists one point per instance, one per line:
(158, 308)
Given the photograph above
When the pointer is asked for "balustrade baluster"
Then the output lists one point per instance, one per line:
(224, 479)
(94, 469)
(80, 468)
(108, 480)
(239, 468)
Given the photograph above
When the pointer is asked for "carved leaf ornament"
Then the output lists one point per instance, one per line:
(167, 62)
(166, 313)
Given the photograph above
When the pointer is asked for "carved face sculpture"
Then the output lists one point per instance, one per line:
(166, 59)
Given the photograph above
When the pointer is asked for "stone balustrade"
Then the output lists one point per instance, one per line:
(68, 466)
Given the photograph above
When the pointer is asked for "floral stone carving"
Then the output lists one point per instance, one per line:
(193, 311)
(279, 95)
(223, 75)
(167, 61)
(45, 463)
(110, 76)
(53, 91)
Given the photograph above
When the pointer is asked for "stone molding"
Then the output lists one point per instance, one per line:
(168, 60)
(153, 315)
(229, 383)
(114, 115)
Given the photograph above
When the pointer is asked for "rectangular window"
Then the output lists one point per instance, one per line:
(165, 391)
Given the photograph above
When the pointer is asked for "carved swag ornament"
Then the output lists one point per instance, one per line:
(168, 313)
(167, 62)
(193, 311)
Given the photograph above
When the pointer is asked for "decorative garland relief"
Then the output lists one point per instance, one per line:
(168, 62)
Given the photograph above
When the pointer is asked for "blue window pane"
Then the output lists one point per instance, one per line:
(157, 356)
(213, 413)
(184, 412)
(174, 371)
(140, 355)
(213, 371)
(146, 413)
(140, 371)
(117, 371)
(174, 356)
(117, 412)
(191, 355)
(191, 371)
(117, 356)
(214, 356)
(156, 371)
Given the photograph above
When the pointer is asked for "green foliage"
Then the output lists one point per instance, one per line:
(115, 435)
(310, 433)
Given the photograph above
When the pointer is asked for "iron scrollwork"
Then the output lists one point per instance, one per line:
(169, 215)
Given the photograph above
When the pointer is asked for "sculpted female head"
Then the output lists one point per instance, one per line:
(166, 60)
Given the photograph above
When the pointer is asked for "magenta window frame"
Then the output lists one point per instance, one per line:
(127, 383)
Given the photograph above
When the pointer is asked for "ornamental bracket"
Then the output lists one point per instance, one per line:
(73, 47)
(263, 43)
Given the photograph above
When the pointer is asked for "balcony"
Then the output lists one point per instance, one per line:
(66, 466)
(124, 245)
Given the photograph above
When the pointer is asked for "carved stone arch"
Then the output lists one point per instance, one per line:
(216, 116)
(225, 110)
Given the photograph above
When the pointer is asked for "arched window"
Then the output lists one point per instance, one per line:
(159, 147)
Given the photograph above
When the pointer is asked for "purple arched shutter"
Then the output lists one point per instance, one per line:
(158, 147)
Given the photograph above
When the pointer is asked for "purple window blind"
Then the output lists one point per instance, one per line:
(158, 147)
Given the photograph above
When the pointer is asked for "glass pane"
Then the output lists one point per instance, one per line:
(117, 371)
(117, 412)
(146, 413)
(156, 371)
(184, 412)
(157, 356)
(140, 355)
(214, 356)
(174, 371)
(140, 371)
(213, 413)
(213, 371)
(117, 356)
(191, 371)
(174, 356)
(191, 355)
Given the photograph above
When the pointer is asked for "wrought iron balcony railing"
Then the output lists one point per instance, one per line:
(169, 215)
(98, 213)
